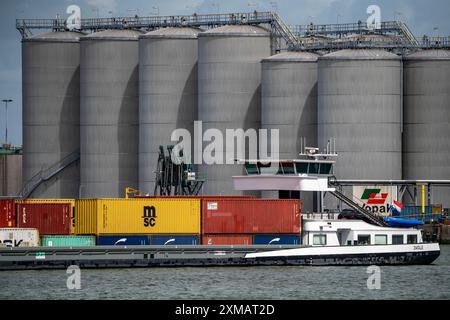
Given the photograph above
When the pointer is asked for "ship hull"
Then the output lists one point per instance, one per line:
(198, 256)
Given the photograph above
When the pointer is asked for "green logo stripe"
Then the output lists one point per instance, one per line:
(367, 192)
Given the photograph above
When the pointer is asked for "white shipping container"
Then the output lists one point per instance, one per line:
(19, 237)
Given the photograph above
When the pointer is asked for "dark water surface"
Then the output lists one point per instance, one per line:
(397, 282)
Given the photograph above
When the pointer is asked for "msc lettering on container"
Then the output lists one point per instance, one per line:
(149, 217)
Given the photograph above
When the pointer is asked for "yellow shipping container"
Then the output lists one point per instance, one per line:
(54, 201)
(137, 216)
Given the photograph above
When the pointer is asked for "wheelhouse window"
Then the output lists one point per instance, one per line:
(397, 239)
(412, 238)
(302, 167)
(320, 240)
(380, 239)
(325, 168)
(363, 239)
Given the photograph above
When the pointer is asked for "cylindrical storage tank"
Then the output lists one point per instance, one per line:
(51, 111)
(360, 106)
(289, 104)
(229, 81)
(167, 94)
(426, 114)
(289, 100)
(109, 113)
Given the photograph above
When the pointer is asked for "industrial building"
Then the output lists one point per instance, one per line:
(10, 170)
(99, 101)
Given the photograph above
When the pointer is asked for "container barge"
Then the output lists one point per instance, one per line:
(231, 230)
(326, 243)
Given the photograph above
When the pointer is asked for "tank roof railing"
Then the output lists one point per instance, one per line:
(434, 42)
(442, 43)
(136, 22)
(345, 29)
(326, 34)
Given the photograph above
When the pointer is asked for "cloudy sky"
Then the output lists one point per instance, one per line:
(423, 17)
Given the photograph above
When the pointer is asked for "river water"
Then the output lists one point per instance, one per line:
(396, 282)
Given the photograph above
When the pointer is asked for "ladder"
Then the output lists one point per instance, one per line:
(285, 31)
(407, 33)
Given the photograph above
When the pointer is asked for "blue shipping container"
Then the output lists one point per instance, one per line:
(276, 239)
(411, 210)
(123, 240)
(162, 240)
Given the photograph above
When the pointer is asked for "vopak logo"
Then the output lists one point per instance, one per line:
(375, 200)
(149, 217)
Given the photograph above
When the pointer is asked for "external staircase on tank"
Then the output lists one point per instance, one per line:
(48, 173)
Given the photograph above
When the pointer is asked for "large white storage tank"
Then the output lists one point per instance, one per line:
(289, 104)
(51, 111)
(168, 96)
(229, 81)
(426, 139)
(109, 113)
(360, 106)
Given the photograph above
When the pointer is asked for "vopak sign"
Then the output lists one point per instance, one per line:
(376, 199)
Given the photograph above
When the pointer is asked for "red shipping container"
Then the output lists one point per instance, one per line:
(7, 213)
(227, 240)
(250, 216)
(49, 219)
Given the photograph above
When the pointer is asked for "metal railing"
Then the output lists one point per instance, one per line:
(434, 42)
(338, 30)
(194, 20)
(326, 36)
(48, 173)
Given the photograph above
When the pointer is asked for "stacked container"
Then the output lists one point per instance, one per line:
(246, 221)
(140, 221)
(49, 216)
(68, 241)
(19, 237)
(7, 213)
